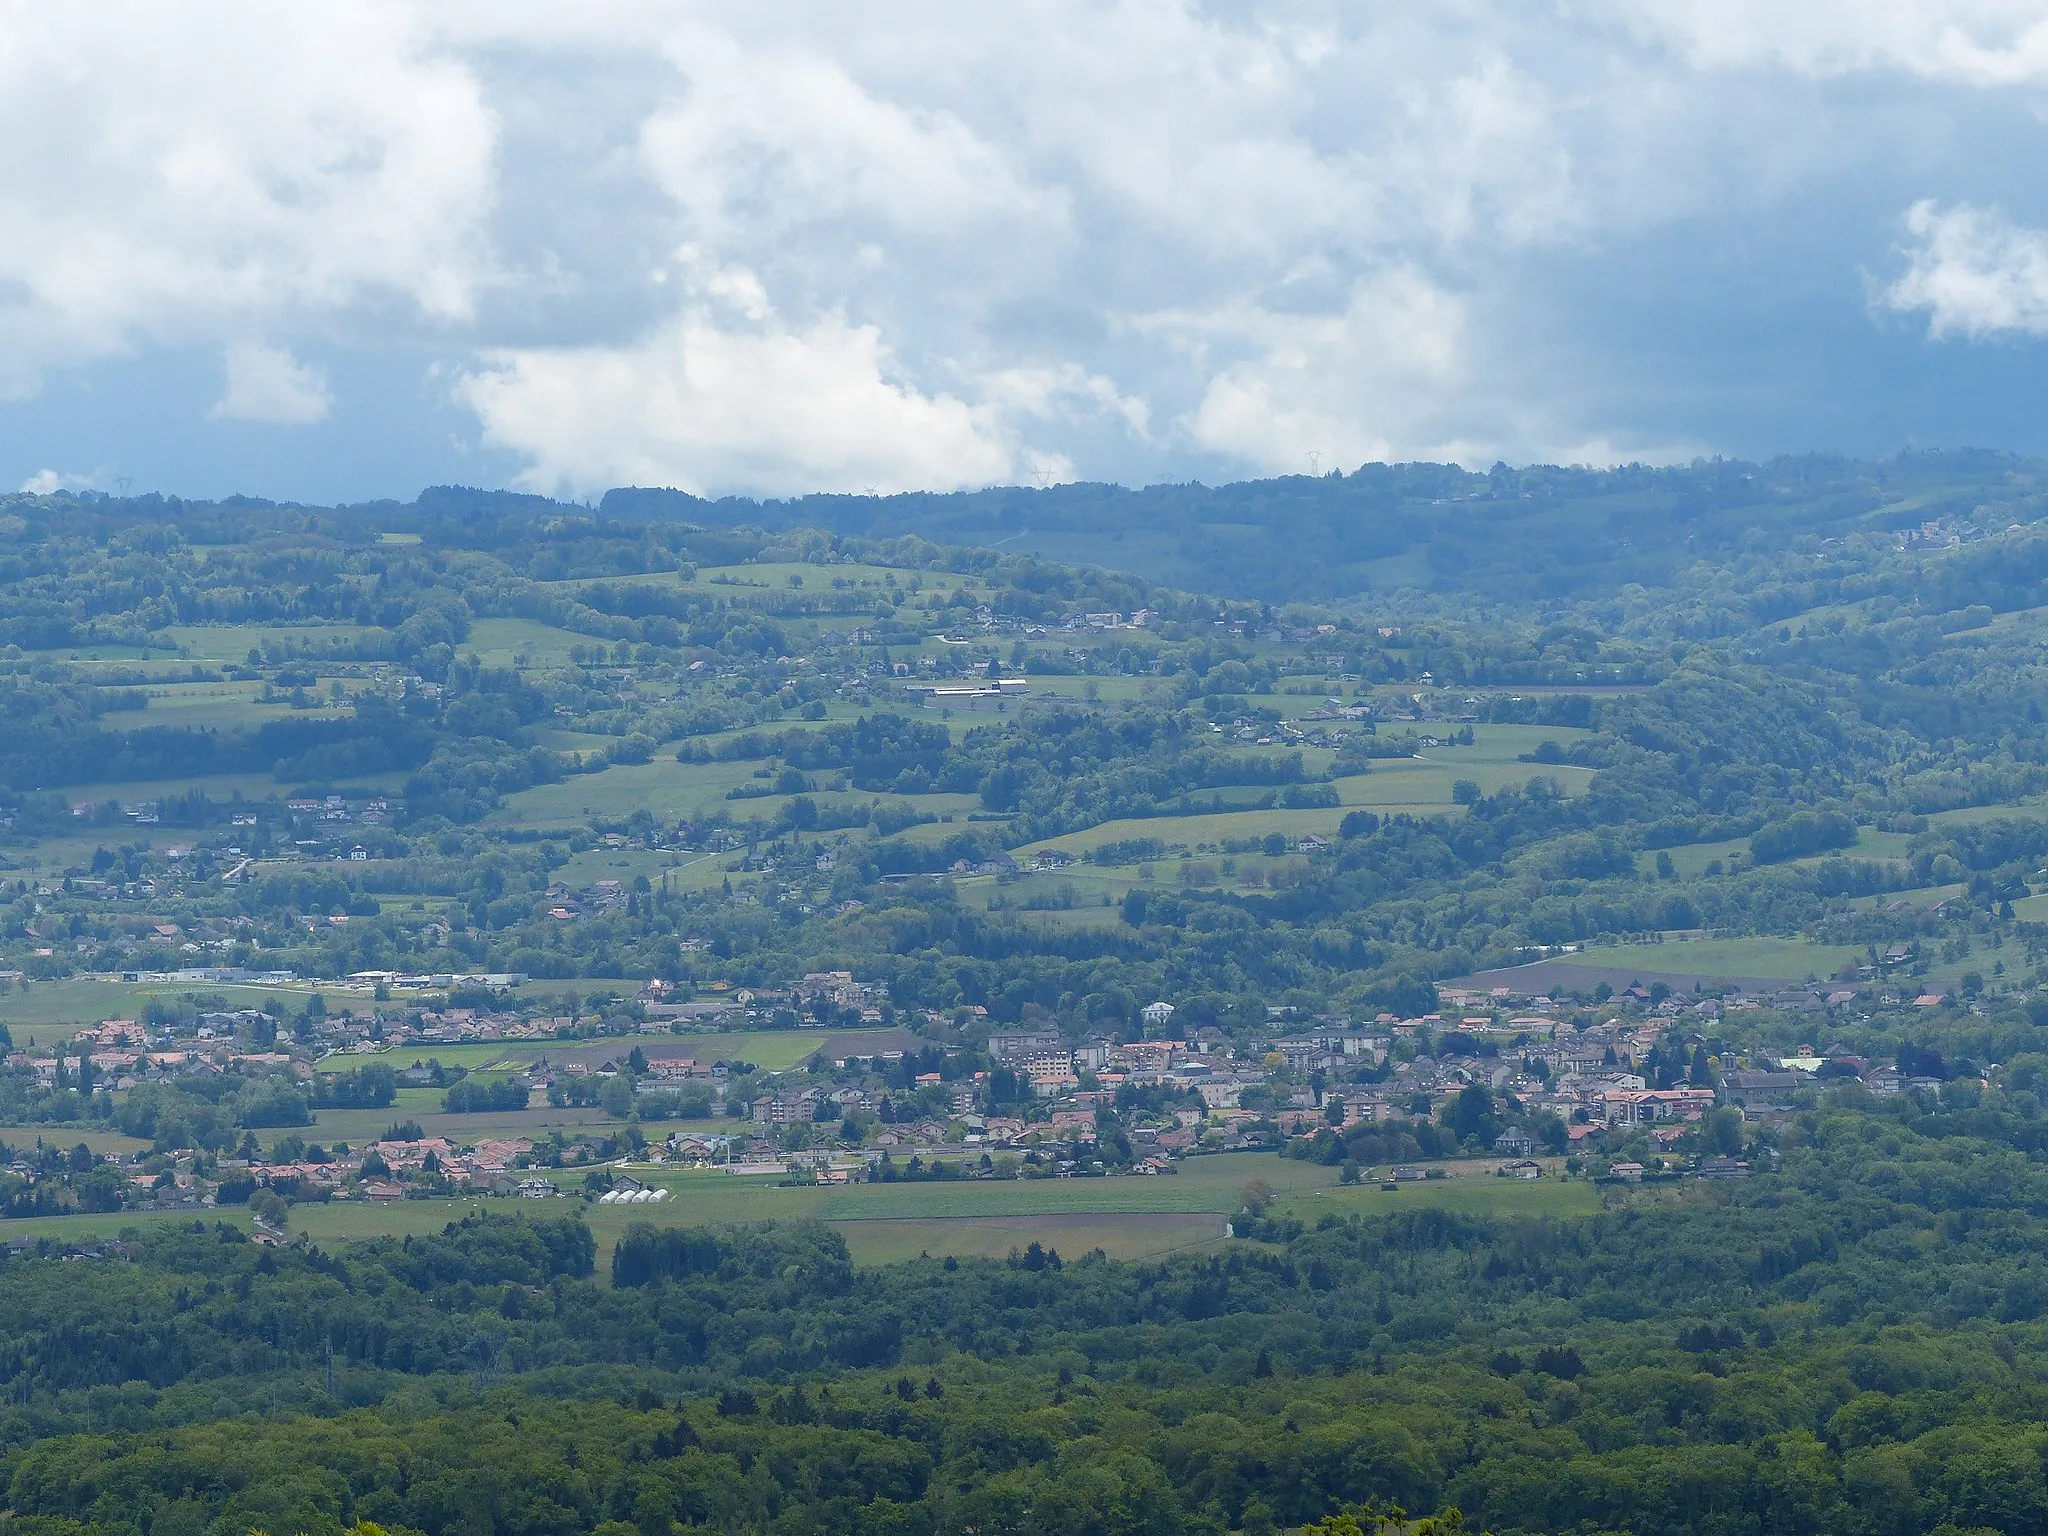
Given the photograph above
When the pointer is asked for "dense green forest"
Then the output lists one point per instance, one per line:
(1849, 1344)
(1510, 535)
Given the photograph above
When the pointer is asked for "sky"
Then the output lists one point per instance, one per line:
(339, 252)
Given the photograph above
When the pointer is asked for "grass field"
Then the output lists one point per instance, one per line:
(65, 1136)
(218, 786)
(1126, 1237)
(817, 579)
(356, 1126)
(673, 790)
(2030, 809)
(1403, 783)
(887, 1221)
(1473, 1193)
(1691, 859)
(1396, 786)
(1778, 959)
(232, 642)
(48, 1011)
(511, 642)
(78, 1229)
(712, 1197)
(621, 864)
(223, 706)
(1128, 1218)
(1919, 897)
(775, 1050)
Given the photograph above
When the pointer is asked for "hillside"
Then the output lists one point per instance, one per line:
(1542, 1018)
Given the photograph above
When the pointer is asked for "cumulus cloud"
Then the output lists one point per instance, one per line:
(936, 246)
(1328, 389)
(176, 173)
(1977, 42)
(1974, 272)
(725, 396)
(47, 482)
(762, 140)
(269, 384)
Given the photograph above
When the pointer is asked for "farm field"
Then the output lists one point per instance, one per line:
(1789, 959)
(1128, 1217)
(1919, 898)
(2032, 808)
(423, 1106)
(1502, 744)
(883, 1223)
(773, 1050)
(1680, 963)
(216, 786)
(103, 1143)
(1474, 1191)
(232, 642)
(873, 1240)
(1689, 860)
(45, 1012)
(1395, 786)
(219, 705)
(522, 643)
(1402, 783)
(775, 575)
(715, 1197)
(691, 791)
(1192, 830)
(1128, 1236)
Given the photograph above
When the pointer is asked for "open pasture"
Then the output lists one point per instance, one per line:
(774, 576)
(221, 706)
(1681, 964)
(1788, 959)
(674, 791)
(523, 643)
(356, 1126)
(218, 787)
(233, 642)
(1128, 1236)
(103, 1143)
(45, 1012)
(1128, 1218)
(1474, 1191)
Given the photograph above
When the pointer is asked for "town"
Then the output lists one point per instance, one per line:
(1644, 1083)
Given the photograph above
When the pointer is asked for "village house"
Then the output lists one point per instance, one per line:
(1643, 1106)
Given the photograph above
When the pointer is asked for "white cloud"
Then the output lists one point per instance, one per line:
(937, 245)
(1974, 272)
(1066, 392)
(727, 396)
(1974, 42)
(47, 482)
(269, 384)
(185, 173)
(765, 139)
(1322, 390)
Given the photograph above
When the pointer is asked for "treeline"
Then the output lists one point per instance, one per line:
(1782, 1353)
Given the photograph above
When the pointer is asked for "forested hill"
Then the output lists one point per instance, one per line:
(1539, 533)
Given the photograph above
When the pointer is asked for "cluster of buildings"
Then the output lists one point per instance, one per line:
(380, 1170)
